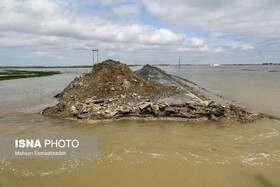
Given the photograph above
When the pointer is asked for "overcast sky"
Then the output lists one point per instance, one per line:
(60, 32)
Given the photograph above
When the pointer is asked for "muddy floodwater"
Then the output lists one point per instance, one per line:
(152, 153)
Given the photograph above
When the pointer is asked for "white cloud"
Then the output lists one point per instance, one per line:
(127, 9)
(112, 54)
(219, 50)
(196, 42)
(247, 47)
(43, 54)
(161, 37)
(261, 17)
(45, 24)
(243, 47)
(43, 18)
(198, 45)
(209, 49)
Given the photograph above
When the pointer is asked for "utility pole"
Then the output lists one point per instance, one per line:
(93, 57)
(179, 62)
(94, 50)
(97, 55)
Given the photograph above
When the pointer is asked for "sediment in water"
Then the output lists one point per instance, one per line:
(112, 91)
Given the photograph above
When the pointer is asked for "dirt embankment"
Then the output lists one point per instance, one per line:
(111, 79)
(111, 91)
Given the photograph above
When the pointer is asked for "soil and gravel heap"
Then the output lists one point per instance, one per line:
(110, 79)
(111, 90)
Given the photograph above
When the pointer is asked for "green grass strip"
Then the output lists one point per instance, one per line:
(19, 74)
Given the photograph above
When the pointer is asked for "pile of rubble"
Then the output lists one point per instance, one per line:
(112, 91)
(111, 79)
(115, 108)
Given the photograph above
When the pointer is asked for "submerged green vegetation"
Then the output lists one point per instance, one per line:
(22, 67)
(43, 67)
(249, 70)
(19, 74)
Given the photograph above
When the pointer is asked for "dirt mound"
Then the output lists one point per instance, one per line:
(111, 79)
(147, 66)
(110, 90)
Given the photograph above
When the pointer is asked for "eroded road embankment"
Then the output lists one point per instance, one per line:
(182, 96)
(112, 91)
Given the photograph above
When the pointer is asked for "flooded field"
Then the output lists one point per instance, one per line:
(256, 87)
(152, 153)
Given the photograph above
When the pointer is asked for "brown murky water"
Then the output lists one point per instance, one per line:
(141, 153)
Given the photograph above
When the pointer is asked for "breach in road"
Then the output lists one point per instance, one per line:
(111, 90)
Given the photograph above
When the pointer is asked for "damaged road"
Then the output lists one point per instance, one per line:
(112, 91)
(154, 74)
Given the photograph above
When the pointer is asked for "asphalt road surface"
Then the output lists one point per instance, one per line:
(155, 75)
